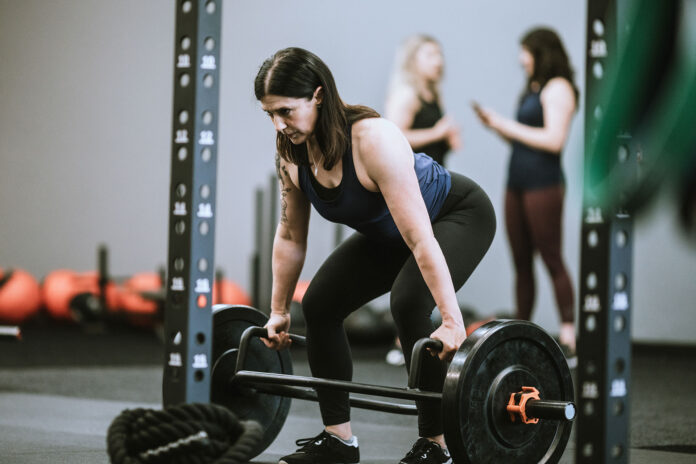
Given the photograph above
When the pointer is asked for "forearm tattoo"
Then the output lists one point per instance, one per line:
(282, 173)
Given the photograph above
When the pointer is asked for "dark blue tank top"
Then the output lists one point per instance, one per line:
(530, 168)
(353, 205)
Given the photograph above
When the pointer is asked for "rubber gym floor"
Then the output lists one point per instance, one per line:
(61, 387)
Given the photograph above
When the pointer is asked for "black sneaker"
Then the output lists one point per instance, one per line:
(425, 451)
(323, 449)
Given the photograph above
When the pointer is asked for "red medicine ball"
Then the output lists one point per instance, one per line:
(20, 296)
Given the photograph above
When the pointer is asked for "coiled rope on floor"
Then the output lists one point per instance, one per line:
(194, 433)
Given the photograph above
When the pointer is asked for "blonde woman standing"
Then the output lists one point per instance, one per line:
(414, 100)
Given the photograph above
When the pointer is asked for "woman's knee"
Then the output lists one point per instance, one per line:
(410, 308)
(553, 260)
(314, 305)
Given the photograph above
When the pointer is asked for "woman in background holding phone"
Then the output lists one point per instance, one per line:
(536, 184)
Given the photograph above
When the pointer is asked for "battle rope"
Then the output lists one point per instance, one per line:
(184, 434)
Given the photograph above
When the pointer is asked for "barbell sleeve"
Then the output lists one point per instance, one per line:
(551, 410)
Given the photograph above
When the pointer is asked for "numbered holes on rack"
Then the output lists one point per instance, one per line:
(204, 228)
(591, 281)
(591, 323)
(598, 27)
(598, 70)
(588, 408)
(622, 153)
(180, 227)
(185, 43)
(588, 450)
(593, 238)
(598, 113)
(621, 238)
(590, 368)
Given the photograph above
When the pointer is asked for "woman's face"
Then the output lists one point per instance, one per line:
(429, 61)
(293, 117)
(527, 61)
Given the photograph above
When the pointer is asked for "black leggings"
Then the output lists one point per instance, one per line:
(361, 269)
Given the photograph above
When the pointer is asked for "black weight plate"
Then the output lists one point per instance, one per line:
(229, 322)
(496, 360)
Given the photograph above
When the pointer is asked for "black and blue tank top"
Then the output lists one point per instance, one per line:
(353, 205)
(530, 168)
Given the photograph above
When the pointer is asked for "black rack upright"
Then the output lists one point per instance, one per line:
(188, 319)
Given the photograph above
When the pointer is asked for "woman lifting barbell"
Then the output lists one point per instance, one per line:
(420, 233)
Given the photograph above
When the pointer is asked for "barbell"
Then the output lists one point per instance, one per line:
(507, 397)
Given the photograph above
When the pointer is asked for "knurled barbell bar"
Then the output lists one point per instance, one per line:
(497, 387)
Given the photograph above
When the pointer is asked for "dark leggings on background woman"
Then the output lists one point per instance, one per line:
(361, 269)
(533, 220)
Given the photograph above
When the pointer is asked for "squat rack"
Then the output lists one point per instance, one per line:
(188, 320)
(640, 104)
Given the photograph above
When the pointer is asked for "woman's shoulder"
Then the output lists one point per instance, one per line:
(558, 88)
(558, 84)
(403, 90)
(375, 134)
(370, 128)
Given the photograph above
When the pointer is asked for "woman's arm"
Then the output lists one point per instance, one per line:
(401, 108)
(388, 161)
(558, 103)
(289, 250)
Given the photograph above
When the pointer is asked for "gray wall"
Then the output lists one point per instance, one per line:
(85, 130)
